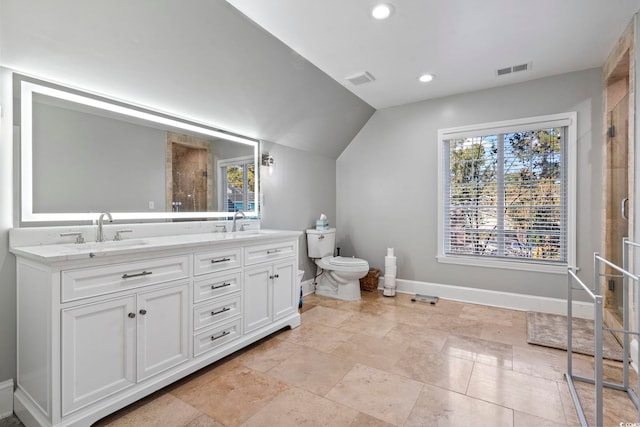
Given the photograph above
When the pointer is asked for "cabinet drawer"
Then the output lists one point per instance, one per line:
(216, 311)
(269, 252)
(92, 281)
(210, 262)
(217, 336)
(216, 285)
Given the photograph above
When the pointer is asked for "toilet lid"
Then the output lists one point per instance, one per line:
(348, 262)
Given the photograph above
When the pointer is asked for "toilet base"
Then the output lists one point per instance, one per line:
(347, 292)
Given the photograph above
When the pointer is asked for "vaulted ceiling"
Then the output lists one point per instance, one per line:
(462, 42)
(199, 59)
(276, 69)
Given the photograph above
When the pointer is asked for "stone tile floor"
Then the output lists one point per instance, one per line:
(385, 362)
(11, 421)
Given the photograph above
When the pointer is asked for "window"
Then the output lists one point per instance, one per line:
(237, 184)
(507, 193)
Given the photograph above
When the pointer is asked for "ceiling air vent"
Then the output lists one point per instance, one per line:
(503, 71)
(361, 78)
(513, 69)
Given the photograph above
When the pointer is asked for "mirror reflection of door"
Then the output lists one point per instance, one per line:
(189, 180)
(189, 170)
(237, 184)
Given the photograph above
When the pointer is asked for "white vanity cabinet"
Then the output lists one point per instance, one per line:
(125, 322)
(217, 315)
(270, 283)
(110, 345)
(98, 351)
(257, 306)
(163, 328)
(98, 331)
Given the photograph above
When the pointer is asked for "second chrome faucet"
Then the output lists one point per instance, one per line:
(100, 236)
(235, 216)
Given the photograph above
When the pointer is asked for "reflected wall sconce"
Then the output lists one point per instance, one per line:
(268, 161)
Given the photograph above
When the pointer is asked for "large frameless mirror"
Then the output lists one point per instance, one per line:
(83, 154)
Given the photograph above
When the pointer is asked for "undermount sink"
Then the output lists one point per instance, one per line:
(108, 244)
(258, 232)
(112, 245)
(249, 233)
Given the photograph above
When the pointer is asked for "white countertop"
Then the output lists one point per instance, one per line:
(74, 251)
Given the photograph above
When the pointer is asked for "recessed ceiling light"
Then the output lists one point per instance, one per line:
(424, 78)
(382, 11)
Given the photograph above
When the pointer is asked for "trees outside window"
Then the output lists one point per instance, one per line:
(238, 184)
(505, 192)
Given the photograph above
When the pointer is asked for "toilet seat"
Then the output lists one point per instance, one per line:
(340, 263)
(347, 262)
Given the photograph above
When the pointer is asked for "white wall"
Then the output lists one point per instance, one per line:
(387, 180)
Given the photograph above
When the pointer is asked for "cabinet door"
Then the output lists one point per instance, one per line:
(163, 329)
(286, 293)
(257, 297)
(98, 351)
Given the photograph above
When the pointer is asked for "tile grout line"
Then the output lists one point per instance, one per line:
(466, 390)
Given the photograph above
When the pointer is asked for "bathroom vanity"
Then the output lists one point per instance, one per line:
(101, 325)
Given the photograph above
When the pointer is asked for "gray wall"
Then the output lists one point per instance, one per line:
(388, 183)
(300, 188)
(7, 260)
(88, 163)
(76, 153)
(200, 59)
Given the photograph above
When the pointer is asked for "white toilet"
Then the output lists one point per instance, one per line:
(340, 275)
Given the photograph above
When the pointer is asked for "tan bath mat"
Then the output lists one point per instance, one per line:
(550, 330)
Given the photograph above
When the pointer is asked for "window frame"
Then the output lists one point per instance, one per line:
(222, 180)
(568, 120)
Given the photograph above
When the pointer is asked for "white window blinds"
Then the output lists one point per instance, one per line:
(237, 184)
(506, 191)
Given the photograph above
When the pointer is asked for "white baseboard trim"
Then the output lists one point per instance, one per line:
(493, 298)
(307, 287)
(6, 398)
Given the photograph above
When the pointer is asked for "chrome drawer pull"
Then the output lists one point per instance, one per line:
(273, 251)
(213, 313)
(224, 285)
(213, 261)
(224, 334)
(144, 273)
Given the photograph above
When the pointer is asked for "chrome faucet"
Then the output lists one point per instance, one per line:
(100, 237)
(235, 216)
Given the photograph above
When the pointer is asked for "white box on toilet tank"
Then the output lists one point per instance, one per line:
(321, 243)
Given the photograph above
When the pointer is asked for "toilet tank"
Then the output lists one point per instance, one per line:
(320, 243)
